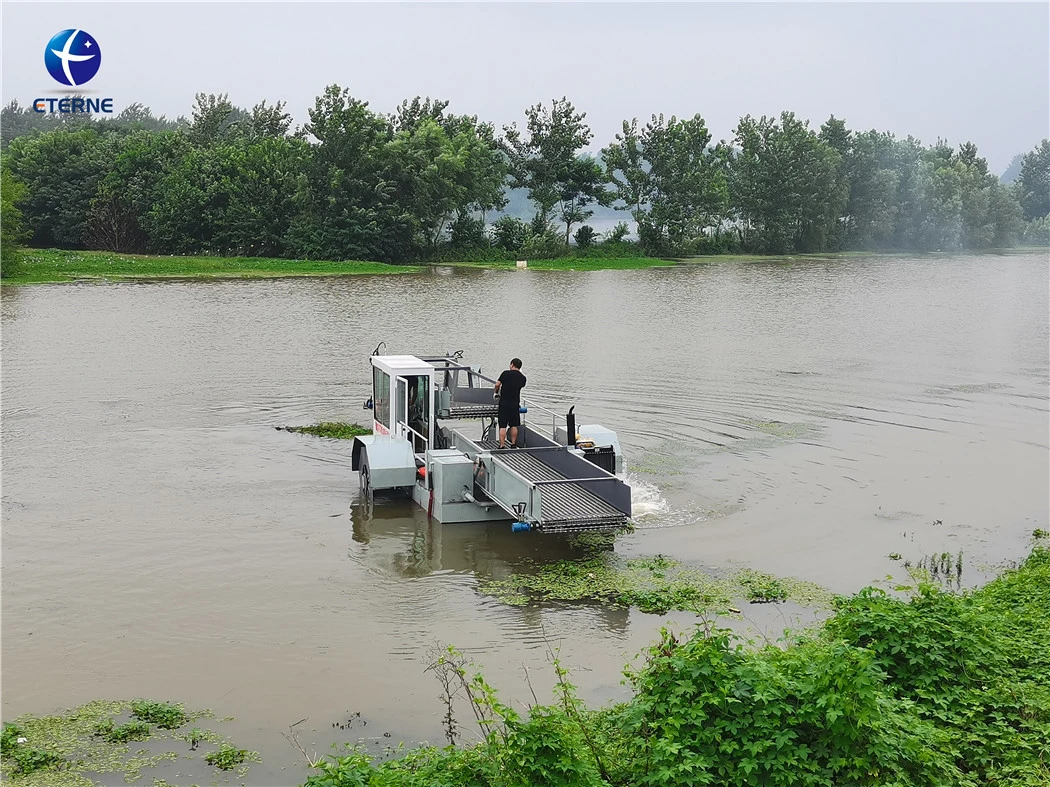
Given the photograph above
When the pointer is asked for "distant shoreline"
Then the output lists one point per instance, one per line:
(52, 266)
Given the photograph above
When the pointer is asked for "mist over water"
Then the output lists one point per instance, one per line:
(162, 539)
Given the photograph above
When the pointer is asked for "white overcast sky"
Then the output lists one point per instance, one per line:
(962, 71)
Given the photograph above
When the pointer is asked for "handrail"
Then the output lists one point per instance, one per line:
(413, 431)
(555, 482)
(451, 364)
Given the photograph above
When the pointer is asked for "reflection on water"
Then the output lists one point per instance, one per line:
(161, 538)
(404, 541)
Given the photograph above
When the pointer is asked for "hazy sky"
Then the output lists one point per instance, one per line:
(957, 70)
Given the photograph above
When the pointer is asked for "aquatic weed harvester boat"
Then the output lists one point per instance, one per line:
(422, 406)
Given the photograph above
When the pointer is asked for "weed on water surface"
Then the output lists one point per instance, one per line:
(228, 757)
(336, 429)
(652, 584)
(132, 731)
(164, 714)
(96, 742)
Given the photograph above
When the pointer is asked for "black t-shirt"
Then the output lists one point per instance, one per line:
(511, 383)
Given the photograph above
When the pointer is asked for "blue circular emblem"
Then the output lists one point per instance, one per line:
(72, 57)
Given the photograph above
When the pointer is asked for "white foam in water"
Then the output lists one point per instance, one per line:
(646, 500)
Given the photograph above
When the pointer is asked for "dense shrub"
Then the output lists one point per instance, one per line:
(938, 689)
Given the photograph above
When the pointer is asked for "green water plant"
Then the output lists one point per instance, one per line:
(25, 759)
(652, 584)
(228, 757)
(131, 731)
(93, 742)
(165, 715)
(339, 430)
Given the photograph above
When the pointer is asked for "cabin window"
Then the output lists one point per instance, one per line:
(381, 395)
(401, 416)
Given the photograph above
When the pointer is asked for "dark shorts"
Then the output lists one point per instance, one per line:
(509, 417)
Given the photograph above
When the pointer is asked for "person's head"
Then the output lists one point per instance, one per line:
(515, 363)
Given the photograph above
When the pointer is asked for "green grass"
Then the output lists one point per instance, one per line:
(37, 266)
(52, 265)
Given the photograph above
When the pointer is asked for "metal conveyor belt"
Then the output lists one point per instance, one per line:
(564, 507)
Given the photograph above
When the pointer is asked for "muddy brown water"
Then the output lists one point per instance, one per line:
(162, 539)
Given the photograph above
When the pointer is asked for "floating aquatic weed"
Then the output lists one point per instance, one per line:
(165, 715)
(88, 740)
(132, 731)
(339, 430)
(761, 588)
(781, 428)
(228, 757)
(655, 584)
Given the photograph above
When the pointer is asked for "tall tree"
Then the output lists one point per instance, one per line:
(547, 161)
(671, 176)
(215, 118)
(12, 224)
(1033, 182)
(783, 184)
(61, 170)
(127, 192)
(344, 204)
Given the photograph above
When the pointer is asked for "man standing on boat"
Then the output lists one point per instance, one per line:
(508, 391)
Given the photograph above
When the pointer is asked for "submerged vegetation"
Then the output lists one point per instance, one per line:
(653, 584)
(75, 748)
(340, 430)
(937, 689)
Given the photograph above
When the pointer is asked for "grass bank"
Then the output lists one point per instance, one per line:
(51, 265)
(39, 266)
(935, 688)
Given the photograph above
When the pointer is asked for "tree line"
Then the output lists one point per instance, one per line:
(425, 183)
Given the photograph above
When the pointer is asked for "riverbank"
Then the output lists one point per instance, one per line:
(935, 688)
(42, 266)
(943, 688)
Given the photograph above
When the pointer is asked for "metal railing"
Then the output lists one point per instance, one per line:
(426, 442)
(451, 363)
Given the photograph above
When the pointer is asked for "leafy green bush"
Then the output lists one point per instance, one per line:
(585, 236)
(468, 232)
(617, 234)
(547, 246)
(939, 689)
(12, 225)
(509, 233)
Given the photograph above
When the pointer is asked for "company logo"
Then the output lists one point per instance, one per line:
(72, 57)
